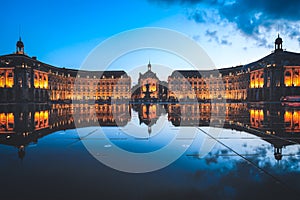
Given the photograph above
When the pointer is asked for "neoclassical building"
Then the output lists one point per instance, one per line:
(228, 83)
(25, 79)
(268, 79)
(149, 86)
(275, 76)
(149, 79)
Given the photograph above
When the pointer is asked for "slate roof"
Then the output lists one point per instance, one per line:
(205, 73)
(281, 58)
(13, 60)
(148, 74)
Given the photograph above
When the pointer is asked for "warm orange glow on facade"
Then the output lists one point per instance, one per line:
(144, 89)
(89, 88)
(40, 79)
(252, 81)
(151, 114)
(41, 119)
(6, 78)
(153, 86)
(6, 121)
(256, 117)
(208, 85)
(41, 82)
(292, 121)
(292, 76)
(207, 113)
(150, 80)
(268, 79)
(257, 79)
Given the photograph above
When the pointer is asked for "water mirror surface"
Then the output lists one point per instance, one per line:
(255, 153)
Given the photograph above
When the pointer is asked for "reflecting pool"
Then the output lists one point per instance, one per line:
(189, 151)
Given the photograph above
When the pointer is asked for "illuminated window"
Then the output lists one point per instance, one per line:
(288, 78)
(10, 80)
(296, 78)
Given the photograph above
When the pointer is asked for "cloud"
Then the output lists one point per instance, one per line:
(250, 17)
(225, 42)
(254, 19)
(267, 9)
(199, 16)
(213, 35)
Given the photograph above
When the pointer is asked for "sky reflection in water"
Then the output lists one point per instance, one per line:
(240, 165)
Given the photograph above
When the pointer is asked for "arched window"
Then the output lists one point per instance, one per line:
(288, 78)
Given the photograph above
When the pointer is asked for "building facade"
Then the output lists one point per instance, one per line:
(150, 80)
(272, 78)
(150, 87)
(230, 84)
(275, 76)
(25, 79)
(269, 79)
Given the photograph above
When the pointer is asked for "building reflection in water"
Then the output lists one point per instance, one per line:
(22, 125)
(6, 122)
(273, 123)
(277, 122)
(149, 114)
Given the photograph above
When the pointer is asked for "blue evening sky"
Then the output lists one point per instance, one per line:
(232, 32)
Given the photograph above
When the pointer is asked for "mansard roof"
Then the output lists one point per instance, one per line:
(13, 60)
(186, 74)
(279, 58)
(205, 73)
(148, 74)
